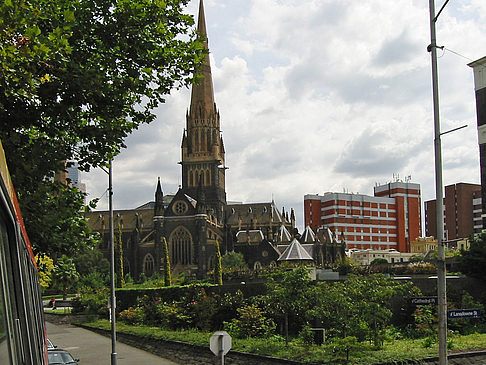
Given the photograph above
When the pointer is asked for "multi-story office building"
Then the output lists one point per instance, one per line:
(388, 220)
(480, 90)
(462, 212)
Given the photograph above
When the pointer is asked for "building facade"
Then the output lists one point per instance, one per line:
(388, 220)
(366, 257)
(480, 90)
(462, 212)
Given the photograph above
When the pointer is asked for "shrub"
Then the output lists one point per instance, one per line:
(92, 303)
(202, 310)
(340, 349)
(133, 316)
(227, 308)
(251, 323)
(174, 317)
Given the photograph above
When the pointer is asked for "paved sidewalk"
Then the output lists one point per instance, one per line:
(92, 348)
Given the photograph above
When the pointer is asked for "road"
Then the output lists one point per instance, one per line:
(92, 348)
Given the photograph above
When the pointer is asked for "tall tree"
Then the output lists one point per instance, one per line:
(120, 278)
(65, 274)
(218, 267)
(76, 78)
(289, 296)
(166, 263)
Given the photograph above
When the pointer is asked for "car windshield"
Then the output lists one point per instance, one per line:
(60, 358)
(49, 344)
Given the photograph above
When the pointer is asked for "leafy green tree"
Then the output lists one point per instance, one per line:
(287, 296)
(472, 262)
(166, 263)
(76, 78)
(45, 266)
(379, 261)
(218, 268)
(65, 274)
(234, 260)
(93, 269)
(416, 258)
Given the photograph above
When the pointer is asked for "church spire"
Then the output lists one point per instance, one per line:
(202, 96)
(203, 165)
(159, 200)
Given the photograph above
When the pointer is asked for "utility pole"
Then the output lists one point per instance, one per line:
(441, 269)
(112, 267)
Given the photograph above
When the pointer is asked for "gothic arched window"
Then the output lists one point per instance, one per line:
(148, 264)
(208, 178)
(181, 246)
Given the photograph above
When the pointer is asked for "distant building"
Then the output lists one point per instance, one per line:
(73, 176)
(388, 220)
(462, 212)
(480, 88)
(366, 257)
(423, 245)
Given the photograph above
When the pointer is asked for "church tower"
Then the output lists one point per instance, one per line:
(203, 166)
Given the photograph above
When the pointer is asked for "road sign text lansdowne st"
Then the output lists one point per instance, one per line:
(463, 313)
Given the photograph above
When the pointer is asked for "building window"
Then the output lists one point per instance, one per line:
(181, 247)
(148, 265)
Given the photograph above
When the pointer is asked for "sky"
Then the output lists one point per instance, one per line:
(319, 96)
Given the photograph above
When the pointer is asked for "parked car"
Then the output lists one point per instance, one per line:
(50, 345)
(60, 357)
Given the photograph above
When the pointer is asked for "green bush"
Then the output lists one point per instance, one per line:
(251, 323)
(92, 303)
(202, 309)
(133, 316)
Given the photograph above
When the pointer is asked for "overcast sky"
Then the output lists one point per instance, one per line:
(318, 96)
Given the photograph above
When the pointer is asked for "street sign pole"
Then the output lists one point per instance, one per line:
(221, 352)
(441, 270)
(220, 344)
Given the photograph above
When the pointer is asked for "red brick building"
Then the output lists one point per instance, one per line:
(462, 212)
(389, 219)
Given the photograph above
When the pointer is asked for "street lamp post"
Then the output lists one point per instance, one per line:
(441, 269)
(112, 267)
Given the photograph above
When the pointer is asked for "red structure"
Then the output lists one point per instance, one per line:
(462, 212)
(388, 220)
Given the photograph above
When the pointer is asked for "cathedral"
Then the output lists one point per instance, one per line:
(198, 215)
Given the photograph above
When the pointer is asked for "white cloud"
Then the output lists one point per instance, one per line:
(319, 95)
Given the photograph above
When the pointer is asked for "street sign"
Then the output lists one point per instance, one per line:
(463, 313)
(424, 301)
(220, 343)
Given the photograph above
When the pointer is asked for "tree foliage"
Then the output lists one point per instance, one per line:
(45, 267)
(65, 274)
(472, 262)
(120, 276)
(218, 267)
(287, 296)
(234, 260)
(76, 78)
(166, 263)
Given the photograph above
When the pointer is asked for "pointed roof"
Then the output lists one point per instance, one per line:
(158, 192)
(295, 252)
(308, 236)
(202, 93)
(283, 235)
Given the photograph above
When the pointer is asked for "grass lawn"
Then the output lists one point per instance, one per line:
(275, 346)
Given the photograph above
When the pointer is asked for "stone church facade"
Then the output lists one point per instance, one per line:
(198, 215)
